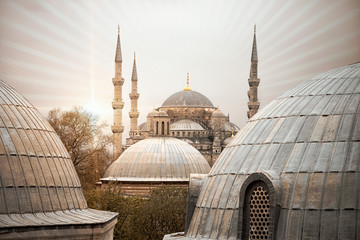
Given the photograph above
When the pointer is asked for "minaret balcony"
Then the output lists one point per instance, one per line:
(253, 105)
(254, 82)
(134, 96)
(117, 104)
(117, 128)
(118, 81)
(133, 114)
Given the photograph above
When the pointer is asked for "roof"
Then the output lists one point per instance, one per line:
(37, 174)
(187, 99)
(160, 159)
(186, 125)
(307, 143)
(142, 127)
(217, 114)
(229, 126)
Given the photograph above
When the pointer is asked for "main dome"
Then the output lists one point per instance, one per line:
(187, 99)
(293, 171)
(157, 159)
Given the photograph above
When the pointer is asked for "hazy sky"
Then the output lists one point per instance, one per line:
(61, 53)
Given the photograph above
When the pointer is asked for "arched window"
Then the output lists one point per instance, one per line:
(162, 128)
(256, 209)
(168, 128)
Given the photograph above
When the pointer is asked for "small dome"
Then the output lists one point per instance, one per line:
(229, 126)
(153, 113)
(187, 99)
(217, 114)
(142, 127)
(301, 154)
(38, 182)
(228, 140)
(186, 125)
(161, 114)
(162, 159)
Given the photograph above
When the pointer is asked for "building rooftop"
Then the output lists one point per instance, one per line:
(301, 152)
(157, 159)
(38, 182)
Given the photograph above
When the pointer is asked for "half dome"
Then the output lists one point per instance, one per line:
(301, 154)
(187, 99)
(186, 125)
(157, 159)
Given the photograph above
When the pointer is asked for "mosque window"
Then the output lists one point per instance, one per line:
(162, 128)
(168, 128)
(256, 209)
(157, 128)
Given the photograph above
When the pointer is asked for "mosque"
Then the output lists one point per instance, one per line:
(184, 136)
(187, 115)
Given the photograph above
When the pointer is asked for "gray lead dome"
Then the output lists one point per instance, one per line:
(39, 186)
(187, 99)
(293, 171)
(157, 159)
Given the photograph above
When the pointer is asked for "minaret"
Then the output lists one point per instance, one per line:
(134, 96)
(254, 81)
(117, 103)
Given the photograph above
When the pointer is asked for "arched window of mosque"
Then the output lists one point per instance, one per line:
(256, 212)
(168, 128)
(157, 128)
(162, 128)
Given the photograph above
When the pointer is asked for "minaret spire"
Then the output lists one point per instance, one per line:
(117, 103)
(118, 57)
(134, 96)
(254, 81)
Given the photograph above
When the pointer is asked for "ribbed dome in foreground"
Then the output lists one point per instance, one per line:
(293, 171)
(187, 99)
(38, 182)
(157, 159)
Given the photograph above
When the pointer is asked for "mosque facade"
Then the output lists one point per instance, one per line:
(187, 115)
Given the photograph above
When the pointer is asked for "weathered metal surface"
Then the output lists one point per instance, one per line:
(157, 159)
(38, 182)
(186, 125)
(187, 99)
(307, 139)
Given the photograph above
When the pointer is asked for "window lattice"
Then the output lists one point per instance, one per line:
(259, 214)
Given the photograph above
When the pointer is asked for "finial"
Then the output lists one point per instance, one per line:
(118, 29)
(217, 109)
(137, 131)
(187, 88)
(255, 29)
(232, 131)
(134, 55)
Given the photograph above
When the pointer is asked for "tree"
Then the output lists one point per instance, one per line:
(143, 218)
(83, 137)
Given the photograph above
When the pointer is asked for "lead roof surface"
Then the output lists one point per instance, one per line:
(187, 99)
(157, 159)
(36, 173)
(308, 138)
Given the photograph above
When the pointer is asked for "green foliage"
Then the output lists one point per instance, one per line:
(143, 218)
(83, 138)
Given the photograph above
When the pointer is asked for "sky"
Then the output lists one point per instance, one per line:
(61, 53)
